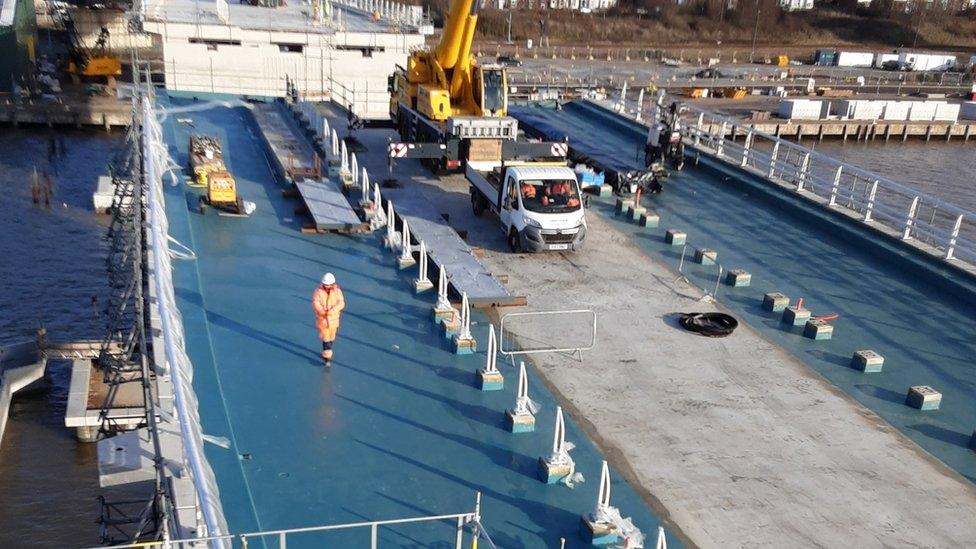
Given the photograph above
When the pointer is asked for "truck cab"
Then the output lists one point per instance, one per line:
(540, 208)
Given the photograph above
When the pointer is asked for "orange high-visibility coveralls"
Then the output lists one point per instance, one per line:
(328, 303)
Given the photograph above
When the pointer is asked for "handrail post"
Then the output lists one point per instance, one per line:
(910, 220)
(833, 189)
(282, 540)
(460, 533)
(802, 176)
(681, 262)
(721, 140)
(745, 149)
(868, 210)
(699, 126)
(772, 159)
(951, 247)
(373, 535)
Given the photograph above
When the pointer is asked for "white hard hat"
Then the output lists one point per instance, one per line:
(328, 279)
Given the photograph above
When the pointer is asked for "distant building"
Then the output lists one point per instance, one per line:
(574, 5)
(18, 35)
(796, 5)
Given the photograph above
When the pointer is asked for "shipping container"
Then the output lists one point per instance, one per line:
(928, 61)
(947, 112)
(859, 109)
(882, 58)
(967, 110)
(923, 111)
(896, 110)
(800, 109)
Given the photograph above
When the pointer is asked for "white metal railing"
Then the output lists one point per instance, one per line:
(941, 227)
(279, 538)
(178, 366)
(531, 338)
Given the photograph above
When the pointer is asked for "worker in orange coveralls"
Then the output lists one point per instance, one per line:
(328, 304)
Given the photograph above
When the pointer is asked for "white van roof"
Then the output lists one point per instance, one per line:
(544, 172)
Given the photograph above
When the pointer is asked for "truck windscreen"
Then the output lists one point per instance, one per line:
(550, 196)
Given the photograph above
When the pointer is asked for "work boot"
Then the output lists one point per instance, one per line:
(327, 359)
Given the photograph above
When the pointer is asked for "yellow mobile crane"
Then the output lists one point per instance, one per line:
(451, 110)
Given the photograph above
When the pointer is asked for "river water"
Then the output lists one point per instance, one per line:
(945, 170)
(52, 263)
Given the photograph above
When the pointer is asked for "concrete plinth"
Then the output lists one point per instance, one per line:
(450, 327)
(775, 302)
(421, 286)
(796, 316)
(818, 329)
(405, 262)
(675, 237)
(738, 278)
(553, 473)
(706, 256)
(519, 423)
(649, 220)
(442, 314)
(598, 533)
(867, 361)
(490, 381)
(923, 397)
(603, 190)
(465, 345)
(635, 212)
(623, 204)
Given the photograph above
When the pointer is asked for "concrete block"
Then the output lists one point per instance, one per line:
(972, 441)
(519, 423)
(775, 301)
(795, 316)
(604, 190)
(450, 326)
(440, 315)
(405, 262)
(421, 286)
(923, 397)
(706, 256)
(738, 278)
(867, 361)
(490, 381)
(649, 220)
(464, 345)
(675, 237)
(818, 329)
(552, 473)
(598, 533)
(623, 204)
(635, 212)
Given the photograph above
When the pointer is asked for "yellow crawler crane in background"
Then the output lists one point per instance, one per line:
(452, 111)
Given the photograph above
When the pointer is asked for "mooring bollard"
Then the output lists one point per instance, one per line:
(521, 418)
(464, 342)
(489, 378)
(557, 466)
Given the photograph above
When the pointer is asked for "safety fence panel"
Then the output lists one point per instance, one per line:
(548, 332)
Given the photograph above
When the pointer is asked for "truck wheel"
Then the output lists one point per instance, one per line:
(477, 205)
(513, 241)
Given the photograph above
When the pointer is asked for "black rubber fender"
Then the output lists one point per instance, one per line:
(709, 324)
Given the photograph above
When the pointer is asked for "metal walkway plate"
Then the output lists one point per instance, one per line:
(328, 206)
(445, 248)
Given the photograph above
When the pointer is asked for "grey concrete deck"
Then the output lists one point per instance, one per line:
(741, 443)
(734, 440)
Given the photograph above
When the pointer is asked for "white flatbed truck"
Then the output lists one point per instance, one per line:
(539, 206)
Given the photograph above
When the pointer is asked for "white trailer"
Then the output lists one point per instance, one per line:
(855, 59)
(539, 206)
(927, 61)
